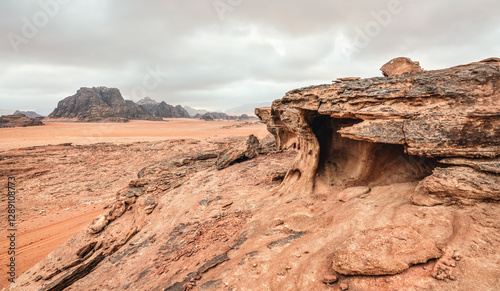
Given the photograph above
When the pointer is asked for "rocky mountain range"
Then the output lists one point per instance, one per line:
(162, 109)
(100, 104)
(210, 116)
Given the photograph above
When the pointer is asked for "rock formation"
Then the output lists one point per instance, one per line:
(162, 109)
(391, 184)
(348, 131)
(383, 251)
(210, 116)
(18, 120)
(99, 104)
(239, 153)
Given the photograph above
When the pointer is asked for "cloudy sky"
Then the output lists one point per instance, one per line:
(217, 54)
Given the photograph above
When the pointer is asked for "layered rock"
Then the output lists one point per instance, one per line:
(18, 120)
(99, 104)
(383, 251)
(403, 123)
(162, 109)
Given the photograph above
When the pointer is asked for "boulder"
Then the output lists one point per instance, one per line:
(400, 66)
(383, 251)
(243, 151)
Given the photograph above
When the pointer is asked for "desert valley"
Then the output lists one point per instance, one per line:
(383, 183)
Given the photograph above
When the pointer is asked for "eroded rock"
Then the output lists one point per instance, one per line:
(383, 251)
(353, 192)
(242, 151)
(350, 133)
(98, 224)
(400, 66)
(463, 183)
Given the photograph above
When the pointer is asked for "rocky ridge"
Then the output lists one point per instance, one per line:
(387, 183)
(99, 104)
(18, 120)
(210, 116)
(162, 109)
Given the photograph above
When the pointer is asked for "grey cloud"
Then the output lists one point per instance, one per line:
(259, 51)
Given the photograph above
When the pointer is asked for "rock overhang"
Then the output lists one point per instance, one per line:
(447, 113)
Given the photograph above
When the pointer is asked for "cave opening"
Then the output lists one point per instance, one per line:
(348, 162)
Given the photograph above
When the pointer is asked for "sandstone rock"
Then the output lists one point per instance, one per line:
(329, 279)
(400, 66)
(99, 104)
(463, 182)
(485, 165)
(18, 120)
(383, 251)
(347, 132)
(149, 203)
(116, 211)
(268, 144)
(98, 224)
(353, 192)
(243, 151)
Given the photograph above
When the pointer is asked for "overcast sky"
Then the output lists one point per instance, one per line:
(217, 54)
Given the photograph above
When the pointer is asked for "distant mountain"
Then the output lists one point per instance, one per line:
(209, 116)
(247, 108)
(147, 103)
(30, 114)
(100, 104)
(192, 111)
(18, 120)
(162, 109)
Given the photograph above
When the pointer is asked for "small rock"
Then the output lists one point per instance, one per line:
(278, 222)
(98, 224)
(227, 204)
(343, 286)
(329, 279)
(400, 66)
(456, 255)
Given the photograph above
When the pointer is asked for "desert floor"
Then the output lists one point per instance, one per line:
(67, 172)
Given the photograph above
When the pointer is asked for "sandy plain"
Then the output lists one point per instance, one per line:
(66, 172)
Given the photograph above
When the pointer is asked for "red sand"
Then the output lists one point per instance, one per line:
(38, 235)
